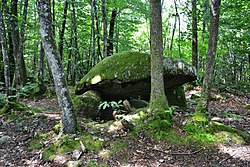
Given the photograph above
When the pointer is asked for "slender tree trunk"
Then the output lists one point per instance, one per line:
(99, 54)
(69, 59)
(49, 45)
(105, 31)
(18, 40)
(62, 31)
(210, 61)
(174, 28)
(117, 33)
(194, 35)
(10, 48)
(21, 43)
(179, 40)
(76, 54)
(35, 57)
(15, 41)
(158, 100)
(93, 32)
(53, 18)
(5, 55)
(41, 65)
(204, 25)
(110, 48)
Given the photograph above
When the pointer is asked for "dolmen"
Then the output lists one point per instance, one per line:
(127, 76)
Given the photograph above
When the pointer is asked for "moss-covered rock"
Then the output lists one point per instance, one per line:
(87, 104)
(127, 75)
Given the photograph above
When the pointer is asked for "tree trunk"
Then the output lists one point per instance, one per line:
(110, 47)
(174, 28)
(61, 36)
(76, 53)
(5, 55)
(10, 48)
(49, 45)
(21, 43)
(158, 100)
(18, 40)
(99, 54)
(93, 33)
(105, 31)
(35, 58)
(15, 41)
(41, 65)
(194, 35)
(210, 61)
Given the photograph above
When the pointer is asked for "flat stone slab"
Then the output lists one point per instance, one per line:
(127, 75)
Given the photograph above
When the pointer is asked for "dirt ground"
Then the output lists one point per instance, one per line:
(142, 150)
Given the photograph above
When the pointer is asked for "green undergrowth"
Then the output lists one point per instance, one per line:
(66, 144)
(200, 133)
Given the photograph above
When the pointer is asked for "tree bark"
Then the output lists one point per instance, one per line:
(17, 40)
(210, 61)
(99, 54)
(76, 54)
(158, 100)
(194, 35)
(21, 43)
(110, 47)
(49, 45)
(93, 32)
(5, 55)
(10, 48)
(61, 36)
(41, 65)
(105, 31)
(174, 28)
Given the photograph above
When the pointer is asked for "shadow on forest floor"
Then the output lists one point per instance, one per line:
(107, 144)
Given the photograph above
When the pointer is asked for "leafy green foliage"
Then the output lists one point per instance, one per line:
(29, 90)
(113, 104)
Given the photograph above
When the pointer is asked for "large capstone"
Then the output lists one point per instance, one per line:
(127, 76)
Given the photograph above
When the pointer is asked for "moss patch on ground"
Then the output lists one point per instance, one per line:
(67, 144)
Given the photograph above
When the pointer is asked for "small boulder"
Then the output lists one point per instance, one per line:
(87, 104)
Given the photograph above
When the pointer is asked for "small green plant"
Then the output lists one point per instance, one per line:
(35, 144)
(29, 90)
(113, 104)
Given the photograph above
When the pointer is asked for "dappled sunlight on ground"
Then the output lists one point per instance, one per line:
(241, 152)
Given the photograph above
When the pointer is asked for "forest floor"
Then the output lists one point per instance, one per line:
(19, 129)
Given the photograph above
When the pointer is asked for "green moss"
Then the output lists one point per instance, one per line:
(119, 147)
(229, 137)
(49, 153)
(127, 69)
(35, 144)
(95, 163)
(221, 127)
(68, 145)
(43, 135)
(200, 116)
(92, 143)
